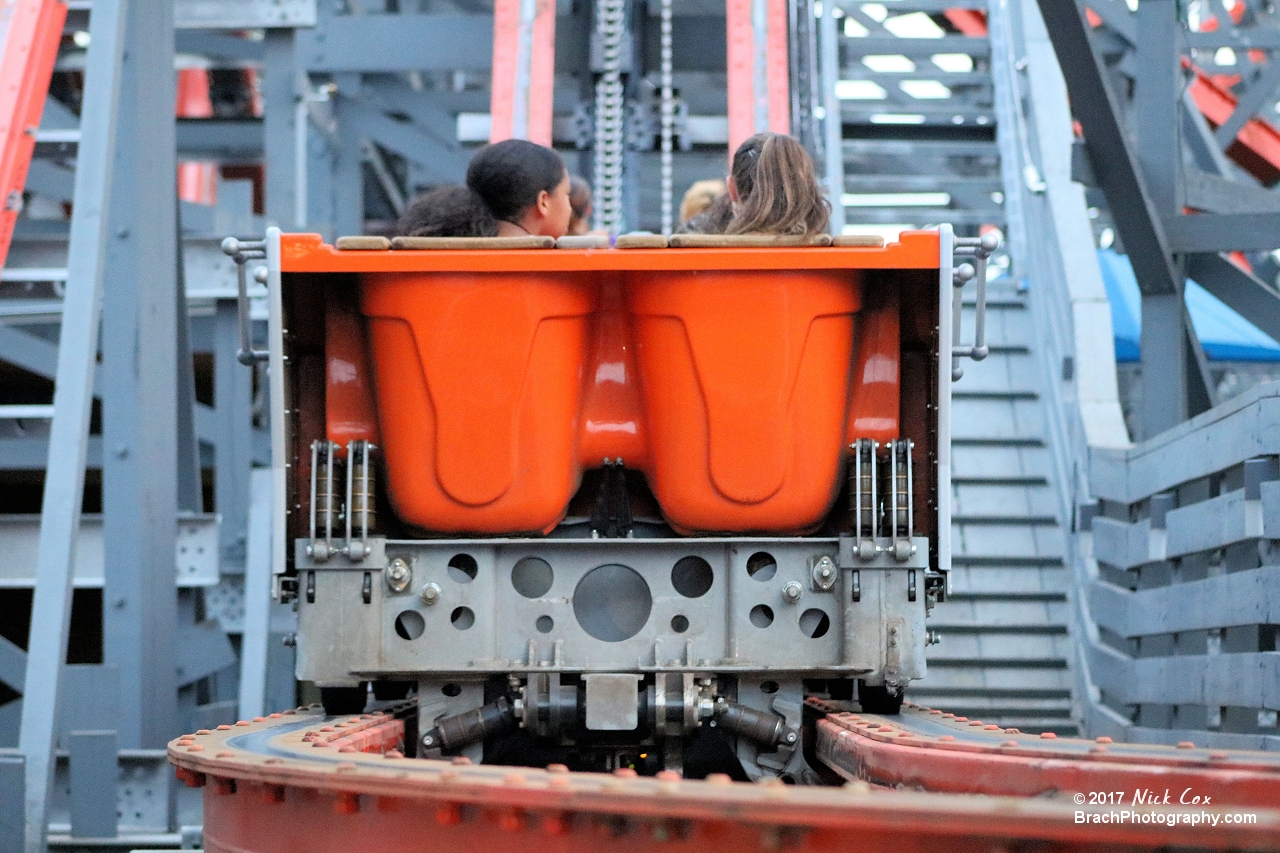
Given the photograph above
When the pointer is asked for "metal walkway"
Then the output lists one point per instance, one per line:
(1004, 645)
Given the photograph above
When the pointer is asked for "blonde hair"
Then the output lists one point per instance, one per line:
(778, 192)
(700, 196)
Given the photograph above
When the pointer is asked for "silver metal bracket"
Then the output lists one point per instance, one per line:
(979, 249)
(243, 251)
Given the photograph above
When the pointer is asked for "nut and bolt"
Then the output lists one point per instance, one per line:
(791, 591)
(399, 575)
(430, 593)
(824, 573)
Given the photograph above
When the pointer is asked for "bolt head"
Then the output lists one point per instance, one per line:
(792, 591)
(398, 574)
(430, 593)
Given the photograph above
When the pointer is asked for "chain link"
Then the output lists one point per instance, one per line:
(610, 123)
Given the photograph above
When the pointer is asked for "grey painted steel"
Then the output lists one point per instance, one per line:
(93, 784)
(279, 145)
(280, 405)
(1115, 162)
(1175, 606)
(829, 75)
(1243, 292)
(341, 43)
(64, 477)
(258, 595)
(1223, 232)
(13, 663)
(140, 393)
(12, 784)
(195, 555)
(233, 397)
(243, 14)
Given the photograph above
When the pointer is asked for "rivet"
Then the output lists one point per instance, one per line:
(1048, 736)
(991, 728)
(557, 768)
(1186, 744)
(1103, 739)
(461, 761)
(719, 779)
(226, 753)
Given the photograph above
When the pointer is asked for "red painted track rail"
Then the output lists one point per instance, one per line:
(299, 781)
(30, 31)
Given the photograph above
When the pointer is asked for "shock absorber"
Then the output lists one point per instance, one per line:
(768, 730)
(460, 730)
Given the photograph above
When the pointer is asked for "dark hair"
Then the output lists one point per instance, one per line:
(508, 176)
(579, 196)
(714, 220)
(447, 211)
(778, 192)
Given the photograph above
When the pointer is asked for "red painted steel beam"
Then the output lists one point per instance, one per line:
(524, 51)
(299, 781)
(970, 22)
(1256, 147)
(942, 752)
(30, 31)
(758, 83)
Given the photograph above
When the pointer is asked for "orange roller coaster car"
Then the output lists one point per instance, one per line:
(731, 378)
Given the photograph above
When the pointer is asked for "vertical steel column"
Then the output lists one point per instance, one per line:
(72, 399)
(1156, 126)
(279, 130)
(348, 162)
(12, 785)
(524, 45)
(232, 398)
(832, 123)
(139, 399)
(254, 648)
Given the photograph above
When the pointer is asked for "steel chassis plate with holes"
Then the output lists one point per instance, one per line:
(615, 605)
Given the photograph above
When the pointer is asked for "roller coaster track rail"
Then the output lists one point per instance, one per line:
(912, 781)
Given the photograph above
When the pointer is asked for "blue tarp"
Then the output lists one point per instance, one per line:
(1224, 334)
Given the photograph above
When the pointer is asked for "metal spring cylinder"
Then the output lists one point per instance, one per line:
(363, 506)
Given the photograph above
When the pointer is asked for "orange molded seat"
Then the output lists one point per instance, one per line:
(733, 378)
(479, 388)
(745, 378)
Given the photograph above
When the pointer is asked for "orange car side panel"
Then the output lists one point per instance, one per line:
(479, 388)
(348, 401)
(874, 387)
(744, 377)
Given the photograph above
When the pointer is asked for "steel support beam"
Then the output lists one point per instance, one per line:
(279, 130)
(1242, 292)
(93, 783)
(524, 58)
(254, 650)
(139, 400)
(833, 149)
(396, 43)
(1222, 232)
(1115, 163)
(73, 395)
(233, 398)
